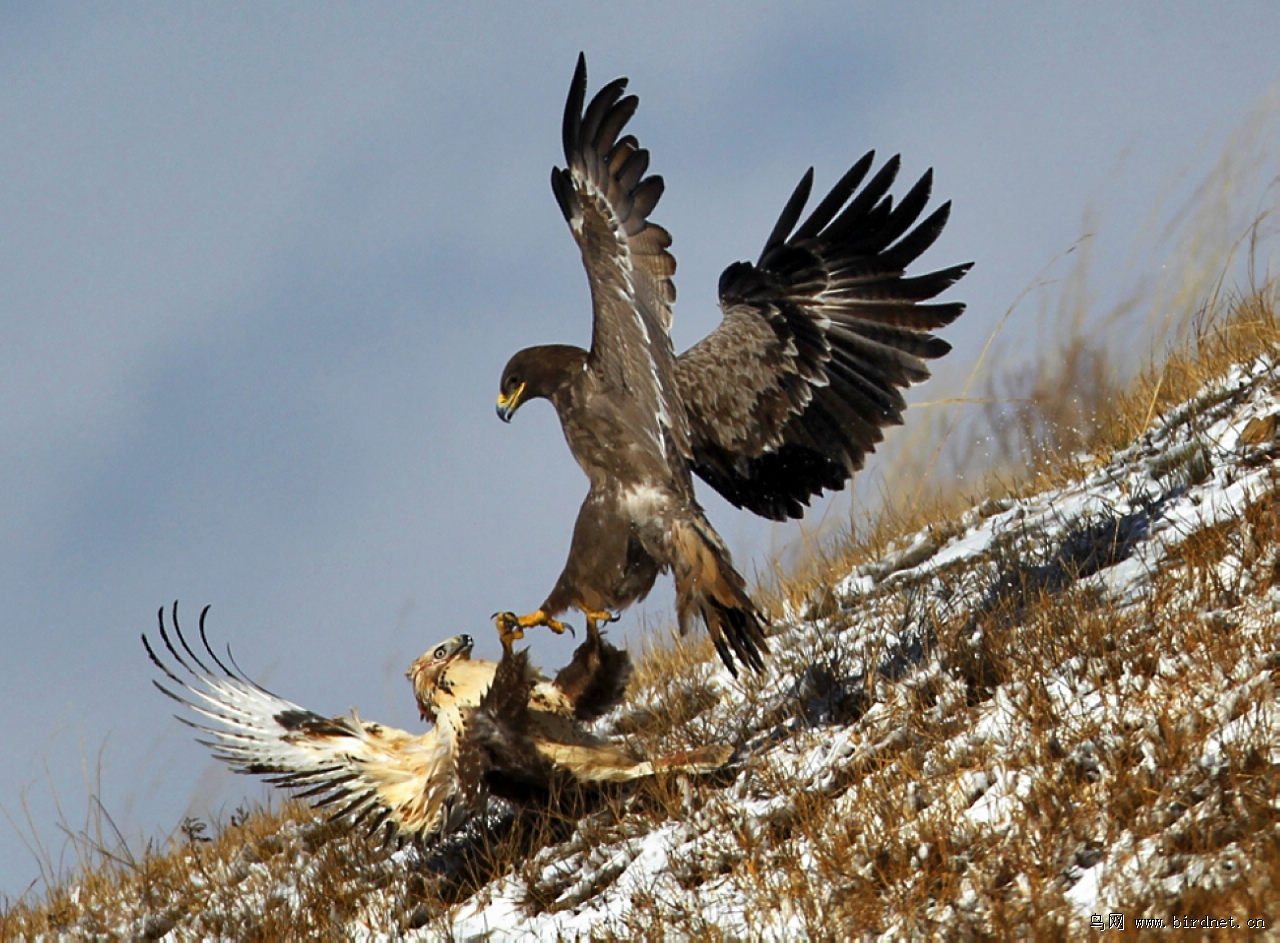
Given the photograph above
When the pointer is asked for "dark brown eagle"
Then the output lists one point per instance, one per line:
(497, 727)
(780, 402)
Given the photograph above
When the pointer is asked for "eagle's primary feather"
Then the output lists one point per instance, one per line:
(494, 724)
(782, 401)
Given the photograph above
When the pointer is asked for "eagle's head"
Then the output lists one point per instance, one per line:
(537, 371)
(428, 671)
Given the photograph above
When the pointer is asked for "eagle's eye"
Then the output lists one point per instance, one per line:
(439, 653)
(513, 383)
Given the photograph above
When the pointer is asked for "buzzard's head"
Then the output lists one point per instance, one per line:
(427, 673)
(537, 371)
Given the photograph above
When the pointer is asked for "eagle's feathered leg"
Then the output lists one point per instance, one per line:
(596, 616)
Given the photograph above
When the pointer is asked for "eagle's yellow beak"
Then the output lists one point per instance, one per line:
(507, 405)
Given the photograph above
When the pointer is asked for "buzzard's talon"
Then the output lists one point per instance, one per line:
(509, 628)
(510, 622)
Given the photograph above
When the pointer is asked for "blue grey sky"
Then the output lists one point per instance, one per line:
(261, 266)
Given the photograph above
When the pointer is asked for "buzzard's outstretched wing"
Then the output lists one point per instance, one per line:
(373, 775)
(793, 388)
(488, 735)
(606, 200)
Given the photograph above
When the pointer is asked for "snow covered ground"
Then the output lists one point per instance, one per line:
(1111, 534)
(1053, 710)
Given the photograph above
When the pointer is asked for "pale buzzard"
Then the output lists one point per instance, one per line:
(497, 726)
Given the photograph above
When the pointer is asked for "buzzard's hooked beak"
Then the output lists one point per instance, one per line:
(426, 674)
(459, 646)
(507, 405)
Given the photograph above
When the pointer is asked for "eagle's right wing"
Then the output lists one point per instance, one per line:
(790, 392)
(374, 775)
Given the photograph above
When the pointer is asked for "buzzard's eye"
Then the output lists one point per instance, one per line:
(439, 652)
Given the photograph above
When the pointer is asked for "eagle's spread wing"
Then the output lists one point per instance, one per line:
(606, 200)
(371, 774)
(793, 388)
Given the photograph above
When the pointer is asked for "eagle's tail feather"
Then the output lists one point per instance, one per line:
(707, 585)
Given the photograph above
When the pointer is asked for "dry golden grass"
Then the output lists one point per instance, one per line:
(854, 855)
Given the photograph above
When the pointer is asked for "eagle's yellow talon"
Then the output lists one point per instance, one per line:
(555, 625)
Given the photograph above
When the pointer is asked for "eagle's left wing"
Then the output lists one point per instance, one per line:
(607, 199)
(373, 775)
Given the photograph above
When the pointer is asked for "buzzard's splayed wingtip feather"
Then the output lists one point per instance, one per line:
(830, 204)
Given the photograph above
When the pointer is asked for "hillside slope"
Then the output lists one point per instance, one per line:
(1057, 705)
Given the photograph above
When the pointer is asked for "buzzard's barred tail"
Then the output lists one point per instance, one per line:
(706, 759)
(602, 762)
(707, 585)
(701, 760)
